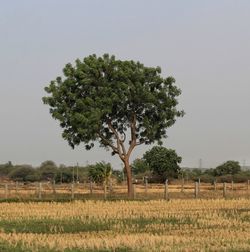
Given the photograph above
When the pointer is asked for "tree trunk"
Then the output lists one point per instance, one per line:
(129, 178)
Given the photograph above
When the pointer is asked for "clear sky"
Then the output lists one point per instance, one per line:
(205, 45)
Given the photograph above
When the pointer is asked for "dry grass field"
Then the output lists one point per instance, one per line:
(46, 218)
(153, 225)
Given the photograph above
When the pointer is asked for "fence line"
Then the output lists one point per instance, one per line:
(43, 190)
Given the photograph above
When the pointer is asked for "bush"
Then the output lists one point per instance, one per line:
(206, 178)
(23, 173)
(241, 177)
(225, 178)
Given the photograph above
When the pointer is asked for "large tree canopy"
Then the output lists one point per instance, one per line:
(101, 99)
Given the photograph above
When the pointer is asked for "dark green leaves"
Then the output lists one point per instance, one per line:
(102, 90)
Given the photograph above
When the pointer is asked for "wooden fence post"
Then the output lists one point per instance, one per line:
(166, 197)
(224, 190)
(40, 191)
(215, 186)
(72, 191)
(196, 190)
(232, 185)
(248, 183)
(6, 191)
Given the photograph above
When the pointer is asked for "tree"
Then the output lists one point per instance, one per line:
(139, 166)
(229, 167)
(48, 170)
(100, 172)
(102, 99)
(163, 162)
(24, 173)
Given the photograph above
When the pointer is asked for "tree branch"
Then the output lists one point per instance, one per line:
(119, 142)
(133, 134)
(108, 143)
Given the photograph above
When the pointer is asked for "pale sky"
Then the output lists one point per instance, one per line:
(204, 45)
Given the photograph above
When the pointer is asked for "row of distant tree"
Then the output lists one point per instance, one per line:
(160, 164)
(157, 165)
(49, 171)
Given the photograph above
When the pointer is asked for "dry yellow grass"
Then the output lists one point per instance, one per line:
(156, 225)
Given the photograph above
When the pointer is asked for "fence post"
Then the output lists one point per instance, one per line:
(199, 185)
(54, 187)
(105, 190)
(72, 191)
(110, 187)
(6, 191)
(40, 191)
(248, 183)
(16, 188)
(196, 190)
(146, 186)
(182, 185)
(224, 190)
(166, 190)
(91, 187)
(215, 186)
(134, 191)
(232, 185)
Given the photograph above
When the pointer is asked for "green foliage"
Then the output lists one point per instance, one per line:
(163, 162)
(118, 175)
(229, 167)
(6, 169)
(48, 170)
(99, 90)
(140, 166)
(23, 173)
(100, 172)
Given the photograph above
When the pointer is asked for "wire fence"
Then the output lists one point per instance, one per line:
(178, 190)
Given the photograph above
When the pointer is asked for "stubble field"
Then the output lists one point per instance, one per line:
(149, 225)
